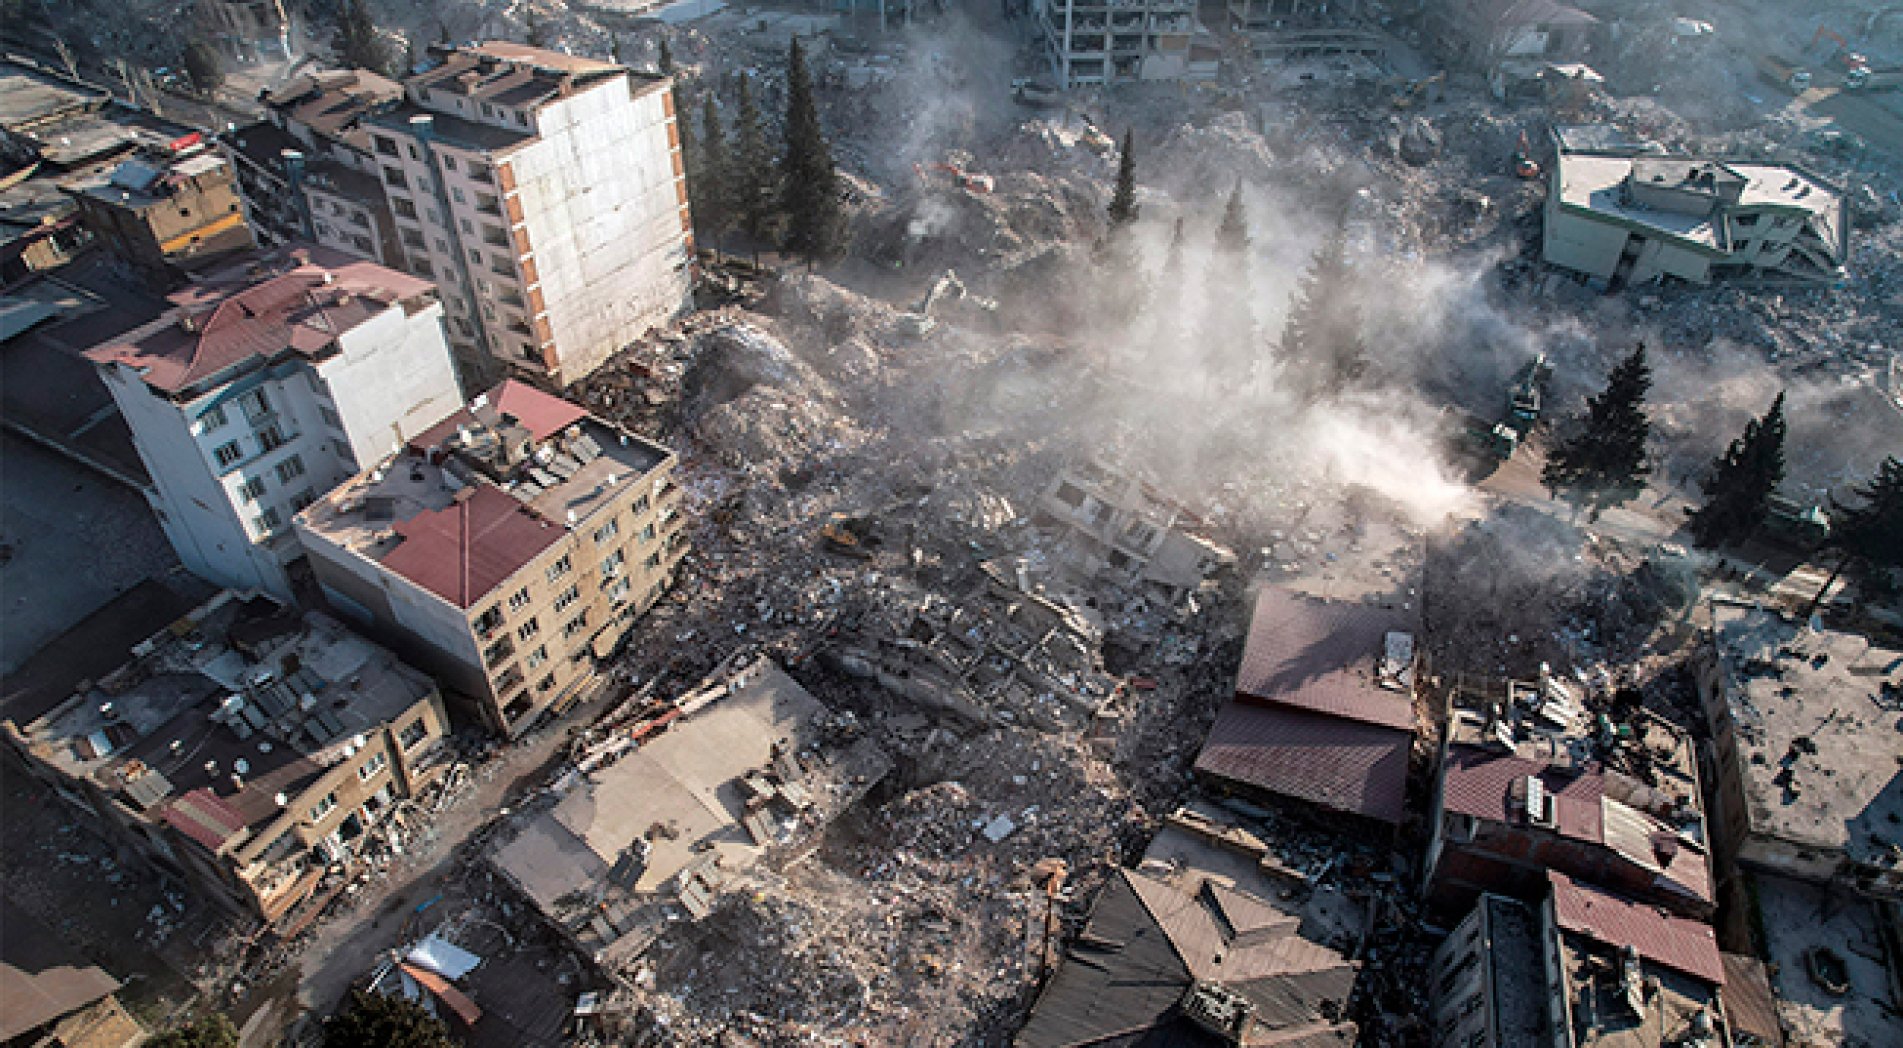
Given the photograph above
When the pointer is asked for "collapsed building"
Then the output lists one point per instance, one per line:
(1532, 784)
(243, 750)
(54, 997)
(509, 548)
(1116, 529)
(666, 806)
(1106, 42)
(1628, 215)
(1801, 761)
(1323, 714)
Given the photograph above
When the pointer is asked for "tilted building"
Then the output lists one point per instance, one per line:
(1116, 528)
(1119, 41)
(507, 550)
(242, 750)
(546, 194)
(1629, 217)
(263, 386)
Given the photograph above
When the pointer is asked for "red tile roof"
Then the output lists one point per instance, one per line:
(465, 550)
(283, 303)
(1322, 656)
(1343, 765)
(542, 414)
(205, 817)
(1478, 782)
(1678, 943)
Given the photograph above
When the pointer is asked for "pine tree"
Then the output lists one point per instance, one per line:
(1322, 334)
(1123, 201)
(1738, 492)
(1604, 464)
(713, 193)
(534, 30)
(203, 67)
(1167, 316)
(1871, 533)
(1228, 333)
(372, 1020)
(358, 44)
(213, 1031)
(751, 167)
(664, 59)
(809, 183)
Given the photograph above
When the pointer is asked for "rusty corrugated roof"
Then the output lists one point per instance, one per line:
(466, 549)
(1321, 656)
(1678, 943)
(1342, 765)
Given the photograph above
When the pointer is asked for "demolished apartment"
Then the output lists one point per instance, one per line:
(242, 750)
(1106, 42)
(1115, 528)
(663, 809)
(1802, 762)
(1487, 989)
(1627, 217)
(1323, 714)
(1533, 784)
(508, 549)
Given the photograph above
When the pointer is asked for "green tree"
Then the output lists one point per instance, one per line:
(1322, 335)
(809, 183)
(664, 59)
(213, 1031)
(1123, 200)
(358, 44)
(1228, 332)
(712, 190)
(750, 168)
(1603, 464)
(203, 67)
(534, 30)
(372, 1020)
(1738, 491)
(1870, 534)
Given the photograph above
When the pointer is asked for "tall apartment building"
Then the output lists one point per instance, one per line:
(266, 384)
(507, 549)
(307, 169)
(1118, 41)
(545, 194)
(166, 210)
(242, 750)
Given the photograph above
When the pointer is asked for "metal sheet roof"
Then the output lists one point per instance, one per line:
(1321, 656)
(1343, 765)
(1678, 943)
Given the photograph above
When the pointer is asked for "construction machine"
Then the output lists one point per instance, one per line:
(1785, 73)
(1524, 166)
(1417, 92)
(920, 321)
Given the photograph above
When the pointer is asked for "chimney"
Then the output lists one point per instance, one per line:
(423, 126)
(237, 783)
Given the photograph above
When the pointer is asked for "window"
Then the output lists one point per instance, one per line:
(457, 195)
(257, 406)
(302, 499)
(536, 658)
(575, 625)
(607, 531)
(611, 566)
(488, 110)
(559, 568)
(290, 469)
(394, 177)
(271, 438)
(386, 146)
(647, 534)
(475, 256)
(434, 218)
(545, 683)
(653, 561)
(528, 629)
(412, 733)
(442, 246)
(251, 490)
(519, 600)
(331, 418)
(422, 268)
(487, 622)
(377, 762)
(411, 148)
(323, 807)
(568, 598)
(450, 163)
(501, 649)
(213, 418)
(469, 228)
(227, 453)
(640, 505)
(403, 208)
(268, 522)
(620, 591)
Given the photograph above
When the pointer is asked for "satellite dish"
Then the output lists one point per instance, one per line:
(241, 766)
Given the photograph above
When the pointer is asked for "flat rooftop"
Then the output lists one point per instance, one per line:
(474, 498)
(1635, 977)
(1810, 703)
(235, 687)
(1596, 181)
(1513, 957)
(29, 96)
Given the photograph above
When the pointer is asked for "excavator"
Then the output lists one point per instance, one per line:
(1417, 92)
(1524, 166)
(920, 321)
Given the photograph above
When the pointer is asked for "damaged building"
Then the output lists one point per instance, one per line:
(1117, 529)
(665, 806)
(1532, 784)
(242, 750)
(1323, 714)
(1626, 216)
(509, 549)
(1106, 42)
(1801, 760)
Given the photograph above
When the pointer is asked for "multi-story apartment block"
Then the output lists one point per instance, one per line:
(247, 30)
(1117, 528)
(266, 384)
(506, 550)
(545, 194)
(244, 749)
(307, 169)
(167, 211)
(1118, 41)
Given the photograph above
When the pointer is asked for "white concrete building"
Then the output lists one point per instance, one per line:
(1119, 41)
(263, 387)
(1626, 217)
(546, 194)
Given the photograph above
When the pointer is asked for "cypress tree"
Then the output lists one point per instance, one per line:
(203, 67)
(750, 168)
(1322, 334)
(534, 30)
(1123, 201)
(1738, 492)
(1871, 533)
(372, 1020)
(664, 59)
(1603, 463)
(809, 183)
(713, 200)
(358, 44)
(1228, 333)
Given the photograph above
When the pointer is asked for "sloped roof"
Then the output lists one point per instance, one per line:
(1321, 656)
(1678, 943)
(1749, 1002)
(542, 414)
(206, 818)
(41, 977)
(1342, 765)
(466, 549)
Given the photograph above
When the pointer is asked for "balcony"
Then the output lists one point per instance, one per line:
(488, 205)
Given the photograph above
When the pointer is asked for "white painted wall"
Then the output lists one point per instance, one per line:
(599, 203)
(391, 380)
